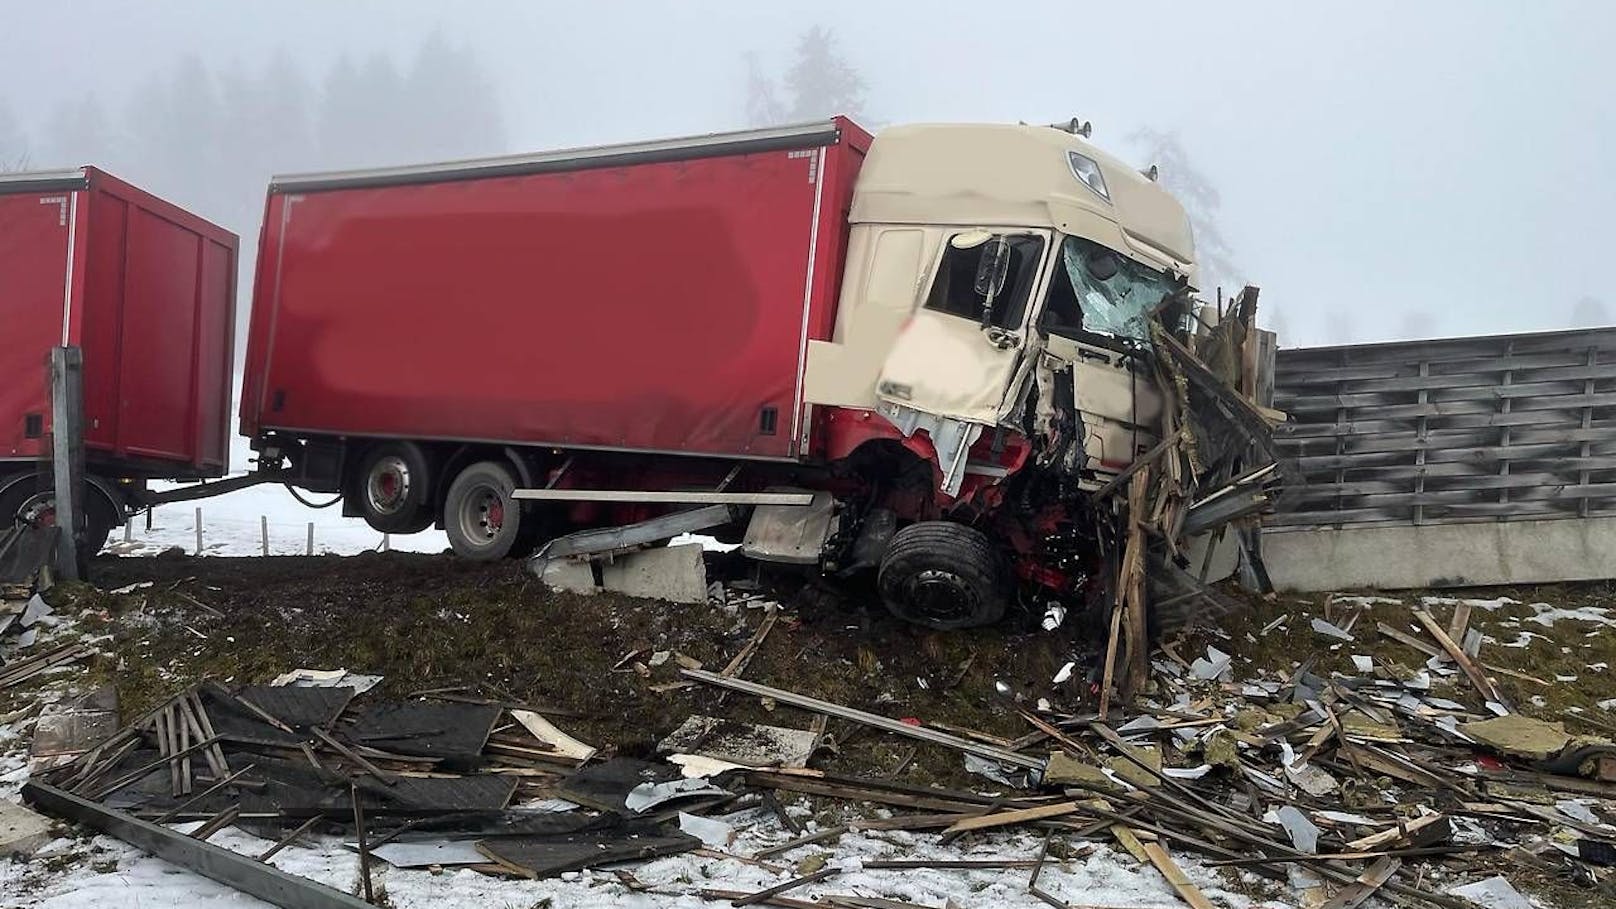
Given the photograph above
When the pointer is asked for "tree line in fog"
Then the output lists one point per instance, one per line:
(210, 138)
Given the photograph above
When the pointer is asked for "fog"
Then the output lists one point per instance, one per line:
(1380, 169)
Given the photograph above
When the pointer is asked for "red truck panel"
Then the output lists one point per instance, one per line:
(646, 300)
(33, 276)
(150, 302)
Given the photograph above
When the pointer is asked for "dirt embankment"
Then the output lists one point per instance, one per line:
(430, 622)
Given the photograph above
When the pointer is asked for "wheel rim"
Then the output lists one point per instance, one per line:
(39, 511)
(388, 486)
(939, 597)
(482, 516)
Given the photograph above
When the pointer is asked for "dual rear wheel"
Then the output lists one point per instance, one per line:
(483, 520)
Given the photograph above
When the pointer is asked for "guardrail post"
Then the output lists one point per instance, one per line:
(67, 454)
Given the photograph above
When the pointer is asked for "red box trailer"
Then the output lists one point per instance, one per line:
(653, 299)
(147, 291)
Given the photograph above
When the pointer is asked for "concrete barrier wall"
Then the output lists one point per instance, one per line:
(1391, 557)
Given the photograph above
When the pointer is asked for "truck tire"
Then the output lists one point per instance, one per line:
(393, 488)
(23, 503)
(483, 521)
(944, 575)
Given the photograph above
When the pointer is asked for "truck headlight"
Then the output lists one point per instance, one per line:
(1087, 171)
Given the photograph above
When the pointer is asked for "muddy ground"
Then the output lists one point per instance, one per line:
(434, 622)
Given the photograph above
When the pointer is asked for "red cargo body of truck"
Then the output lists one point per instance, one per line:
(147, 291)
(653, 300)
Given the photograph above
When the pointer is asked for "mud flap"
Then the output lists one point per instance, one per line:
(794, 534)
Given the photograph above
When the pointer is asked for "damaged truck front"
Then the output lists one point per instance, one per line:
(995, 322)
(920, 353)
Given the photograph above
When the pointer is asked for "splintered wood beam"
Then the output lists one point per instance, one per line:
(1132, 588)
(1353, 894)
(1111, 644)
(1017, 816)
(778, 889)
(886, 724)
(1457, 654)
(738, 665)
(1186, 890)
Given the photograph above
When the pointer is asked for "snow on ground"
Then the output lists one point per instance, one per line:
(232, 523)
(101, 871)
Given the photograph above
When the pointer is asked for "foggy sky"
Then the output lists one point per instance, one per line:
(1383, 167)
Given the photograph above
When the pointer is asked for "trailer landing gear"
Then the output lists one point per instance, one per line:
(945, 576)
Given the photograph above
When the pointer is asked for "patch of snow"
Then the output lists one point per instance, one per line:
(127, 877)
(1546, 614)
(1523, 639)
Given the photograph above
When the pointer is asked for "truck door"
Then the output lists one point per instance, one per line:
(951, 369)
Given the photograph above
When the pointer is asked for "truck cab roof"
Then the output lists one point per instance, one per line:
(1025, 176)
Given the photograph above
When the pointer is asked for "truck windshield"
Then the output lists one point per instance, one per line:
(1101, 291)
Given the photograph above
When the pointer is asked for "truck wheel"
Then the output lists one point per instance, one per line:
(22, 505)
(482, 520)
(393, 488)
(943, 575)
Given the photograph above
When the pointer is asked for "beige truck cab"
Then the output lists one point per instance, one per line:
(993, 270)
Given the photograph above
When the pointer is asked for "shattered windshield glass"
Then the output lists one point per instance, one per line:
(1113, 293)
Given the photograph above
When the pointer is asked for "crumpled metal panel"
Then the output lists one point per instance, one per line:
(951, 438)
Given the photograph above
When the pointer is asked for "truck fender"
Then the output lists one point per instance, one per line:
(524, 470)
(100, 487)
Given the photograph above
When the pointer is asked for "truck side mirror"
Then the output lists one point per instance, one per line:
(993, 268)
(991, 272)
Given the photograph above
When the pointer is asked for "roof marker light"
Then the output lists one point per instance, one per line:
(1088, 173)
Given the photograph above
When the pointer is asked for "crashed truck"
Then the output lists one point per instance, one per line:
(916, 353)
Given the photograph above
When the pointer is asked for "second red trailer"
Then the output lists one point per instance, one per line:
(147, 291)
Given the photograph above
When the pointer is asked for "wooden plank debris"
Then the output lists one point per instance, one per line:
(824, 836)
(1353, 894)
(737, 665)
(1016, 816)
(242, 872)
(1457, 654)
(1182, 885)
(886, 724)
(777, 889)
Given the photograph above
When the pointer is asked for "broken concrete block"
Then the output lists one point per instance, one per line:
(1519, 736)
(674, 573)
(570, 576)
(22, 832)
